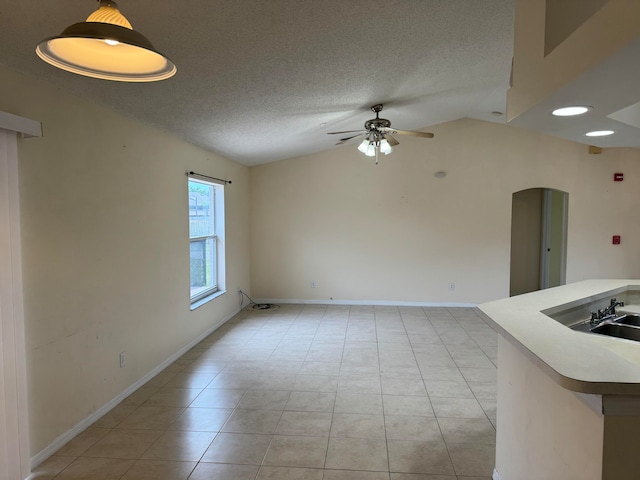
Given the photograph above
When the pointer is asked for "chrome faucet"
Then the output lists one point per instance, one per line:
(607, 312)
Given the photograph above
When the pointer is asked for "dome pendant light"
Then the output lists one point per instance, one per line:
(106, 46)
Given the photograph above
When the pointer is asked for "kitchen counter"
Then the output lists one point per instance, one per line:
(568, 401)
(581, 362)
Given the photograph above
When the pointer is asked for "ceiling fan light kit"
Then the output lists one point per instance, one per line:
(105, 46)
(377, 133)
(368, 146)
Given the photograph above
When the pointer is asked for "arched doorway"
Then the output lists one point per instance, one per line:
(538, 239)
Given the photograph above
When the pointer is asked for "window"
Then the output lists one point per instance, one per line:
(206, 238)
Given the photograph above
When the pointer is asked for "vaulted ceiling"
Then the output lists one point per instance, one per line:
(262, 80)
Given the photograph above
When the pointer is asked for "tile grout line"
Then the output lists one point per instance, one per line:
(446, 446)
(384, 417)
(333, 410)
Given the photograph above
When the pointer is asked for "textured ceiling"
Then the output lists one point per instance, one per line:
(260, 80)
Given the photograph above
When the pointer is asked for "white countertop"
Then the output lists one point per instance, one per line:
(581, 362)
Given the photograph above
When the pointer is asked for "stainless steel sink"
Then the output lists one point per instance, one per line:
(620, 330)
(625, 326)
(628, 319)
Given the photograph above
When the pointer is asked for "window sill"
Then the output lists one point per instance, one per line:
(207, 299)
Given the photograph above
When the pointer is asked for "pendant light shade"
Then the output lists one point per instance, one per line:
(106, 47)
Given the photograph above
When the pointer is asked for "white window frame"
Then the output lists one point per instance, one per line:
(217, 236)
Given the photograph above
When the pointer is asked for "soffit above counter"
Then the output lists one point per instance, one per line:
(593, 62)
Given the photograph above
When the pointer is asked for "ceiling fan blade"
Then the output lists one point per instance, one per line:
(392, 141)
(413, 133)
(348, 131)
(350, 137)
(346, 139)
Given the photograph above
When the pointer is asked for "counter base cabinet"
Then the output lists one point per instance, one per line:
(621, 443)
(543, 430)
(546, 432)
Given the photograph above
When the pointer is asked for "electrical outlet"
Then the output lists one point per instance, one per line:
(122, 359)
(452, 286)
(313, 284)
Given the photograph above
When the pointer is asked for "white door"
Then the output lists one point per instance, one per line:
(553, 248)
(14, 446)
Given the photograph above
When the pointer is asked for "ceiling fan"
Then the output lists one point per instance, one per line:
(377, 135)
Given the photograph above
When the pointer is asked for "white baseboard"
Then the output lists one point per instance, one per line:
(61, 440)
(496, 475)
(387, 303)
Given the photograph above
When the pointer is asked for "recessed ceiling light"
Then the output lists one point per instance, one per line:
(570, 111)
(440, 174)
(600, 133)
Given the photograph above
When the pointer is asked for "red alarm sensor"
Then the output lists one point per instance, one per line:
(616, 239)
(618, 177)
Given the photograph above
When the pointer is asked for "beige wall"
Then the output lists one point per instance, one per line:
(105, 248)
(393, 232)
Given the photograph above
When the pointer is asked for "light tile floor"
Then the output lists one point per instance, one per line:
(311, 393)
